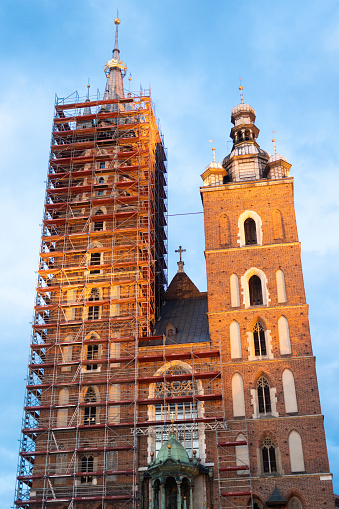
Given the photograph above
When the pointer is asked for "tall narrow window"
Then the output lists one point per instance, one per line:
(235, 340)
(259, 340)
(281, 289)
(296, 452)
(238, 396)
(92, 353)
(250, 231)
(98, 225)
(268, 456)
(264, 397)
(93, 311)
(235, 297)
(255, 289)
(284, 336)
(277, 220)
(95, 260)
(86, 467)
(90, 411)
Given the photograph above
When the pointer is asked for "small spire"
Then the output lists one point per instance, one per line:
(241, 88)
(273, 141)
(213, 150)
(180, 262)
(116, 50)
(88, 87)
(129, 84)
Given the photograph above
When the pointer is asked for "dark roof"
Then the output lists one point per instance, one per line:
(189, 317)
(181, 287)
(276, 498)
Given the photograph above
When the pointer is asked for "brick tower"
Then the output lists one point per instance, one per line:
(258, 312)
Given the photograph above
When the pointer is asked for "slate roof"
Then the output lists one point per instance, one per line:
(185, 308)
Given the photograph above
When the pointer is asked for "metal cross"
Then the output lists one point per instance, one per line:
(180, 250)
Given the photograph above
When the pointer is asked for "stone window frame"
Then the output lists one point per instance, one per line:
(241, 229)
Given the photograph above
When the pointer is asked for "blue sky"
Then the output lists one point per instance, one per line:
(192, 53)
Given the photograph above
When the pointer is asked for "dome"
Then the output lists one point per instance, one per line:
(276, 157)
(176, 452)
(245, 149)
(242, 108)
(242, 114)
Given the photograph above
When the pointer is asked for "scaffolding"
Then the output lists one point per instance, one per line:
(101, 389)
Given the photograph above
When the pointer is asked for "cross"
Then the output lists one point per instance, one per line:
(180, 250)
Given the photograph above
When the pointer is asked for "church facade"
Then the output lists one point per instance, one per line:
(144, 397)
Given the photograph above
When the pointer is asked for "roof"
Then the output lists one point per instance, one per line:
(186, 309)
(181, 287)
(172, 449)
(276, 498)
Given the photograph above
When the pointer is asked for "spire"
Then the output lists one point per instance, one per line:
(115, 70)
(180, 262)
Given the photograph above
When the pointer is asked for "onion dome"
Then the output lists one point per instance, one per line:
(172, 449)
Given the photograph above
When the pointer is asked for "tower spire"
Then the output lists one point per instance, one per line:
(115, 70)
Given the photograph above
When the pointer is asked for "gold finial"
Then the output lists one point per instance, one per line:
(241, 88)
(213, 150)
(117, 19)
(172, 416)
(273, 141)
(88, 87)
(129, 83)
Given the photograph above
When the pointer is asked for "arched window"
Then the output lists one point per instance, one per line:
(250, 231)
(284, 336)
(290, 397)
(92, 354)
(238, 396)
(235, 340)
(62, 414)
(281, 289)
(93, 311)
(95, 260)
(264, 396)
(87, 464)
(98, 225)
(259, 340)
(295, 503)
(235, 297)
(188, 434)
(296, 452)
(268, 456)
(90, 411)
(255, 291)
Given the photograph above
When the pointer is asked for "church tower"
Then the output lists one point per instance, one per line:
(101, 279)
(258, 313)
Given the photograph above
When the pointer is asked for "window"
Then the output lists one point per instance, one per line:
(95, 260)
(98, 225)
(281, 289)
(264, 397)
(224, 230)
(296, 452)
(235, 340)
(86, 467)
(268, 456)
(90, 411)
(250, 231)
(238, 396)
(259, 340)
(101, 180)
(255, 289)
(102, 165)
(294, 503)
(235, 297)
(188, 434)
(290, 396)
(92, 353)
(93, 311)
(284, 336)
